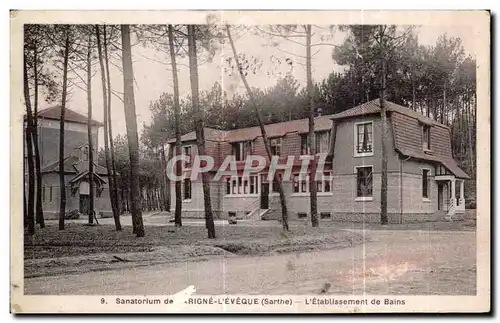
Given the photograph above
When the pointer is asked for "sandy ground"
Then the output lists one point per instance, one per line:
(417, 262)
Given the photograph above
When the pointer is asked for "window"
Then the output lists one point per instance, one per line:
(276, 184)
(242, 185)
(325, 215)
(295, 184)
(322, 141)
(441, 170)
(241, 150)
(302, 215)
(426, 137)
(254, 189)
(98, 191)
(275, 144)
(245, 186)
(235, 186)
(50, 193)
(301, 183)
(319, 186)
(85, 153)
(304, 183)
(364, 138)
(425, 183)
(236, 151)
(327, 180)
(364, 181)
(304, 145)
(187, 152)
(187, 189)
(43, 194)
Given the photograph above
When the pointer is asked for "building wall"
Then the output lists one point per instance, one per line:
(412, 200)
(299, 203)
(75, 134)
(404, 185)
(194, 207)
(344, 160)
(50, 207)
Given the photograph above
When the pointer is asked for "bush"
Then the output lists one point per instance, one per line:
(470, 204)
(72, 215)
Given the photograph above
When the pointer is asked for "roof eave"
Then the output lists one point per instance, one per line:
(333, 118)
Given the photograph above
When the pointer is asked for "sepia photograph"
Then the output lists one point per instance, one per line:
(246, 161)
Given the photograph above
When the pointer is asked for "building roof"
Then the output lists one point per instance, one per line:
(73, 164)
(272, 130)
(373, 107)
(84, 175)
(408, 134)
(210, 134)
(54, 113)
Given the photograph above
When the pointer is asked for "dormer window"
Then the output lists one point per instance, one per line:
(363, 139)
(322, 141)
(304, 145)
(275, 145)
(242, 149)
(188, 154)
(426, 137)
(85, 153)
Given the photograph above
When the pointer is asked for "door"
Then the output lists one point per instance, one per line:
(264, 196)
(84, 204)
(440, 197)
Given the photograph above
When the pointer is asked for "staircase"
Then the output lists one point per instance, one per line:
(452, 205)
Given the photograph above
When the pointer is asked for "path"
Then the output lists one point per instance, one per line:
(396, 262)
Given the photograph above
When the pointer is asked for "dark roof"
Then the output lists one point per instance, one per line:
(210, 134)
(84, 175)
(72, 164)
(54, 113)
(272, 130)
(373, 107)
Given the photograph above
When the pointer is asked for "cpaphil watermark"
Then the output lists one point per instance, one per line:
(252, 165)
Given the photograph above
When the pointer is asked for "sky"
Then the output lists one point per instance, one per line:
(154, 77)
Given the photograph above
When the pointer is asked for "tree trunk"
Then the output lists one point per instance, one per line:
(284, 211)
(200, 136)
(111, 180)
(125, 200)
(168, 184)
(413, 98)
(471, 124)
(29, 148)
(312, 135)
(444, 116)
(39, 210)
(62, 182)
(428, 112)
(89, 132)
(177, 116)
(158, 204)
(25, 205)
(164, 180)
(118, 201)
(131, 125)
(383, 115)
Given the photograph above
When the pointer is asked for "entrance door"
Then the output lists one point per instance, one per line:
(440, 196)
(264, 196)
(84, 204)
